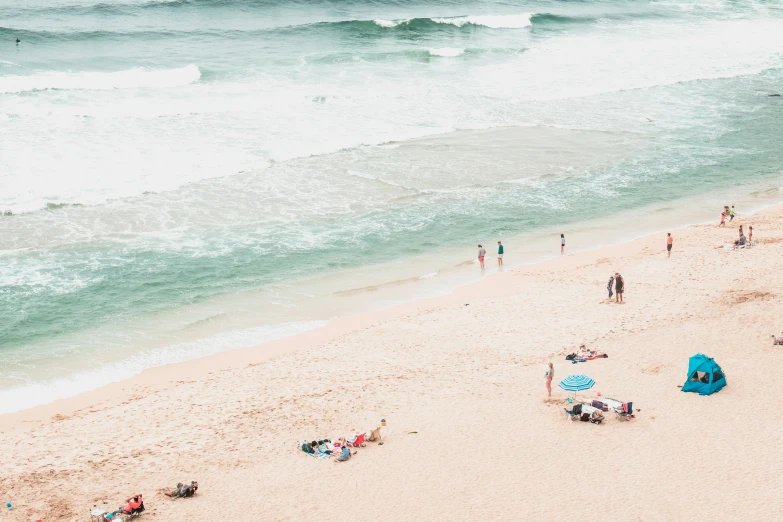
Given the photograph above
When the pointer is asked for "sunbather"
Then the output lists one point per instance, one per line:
(345, 454)
(310, 447)
(323, 446)
(183, 490)
(586, 354)
(596, 416)
(133, 504)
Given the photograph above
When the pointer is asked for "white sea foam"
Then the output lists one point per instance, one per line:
(44, 392)
(389, 23)
(447, 51)
(517, 21)
(99, 81)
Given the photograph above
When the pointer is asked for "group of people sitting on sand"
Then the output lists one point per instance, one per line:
(593, 411)
(742, 241)
(585, 355)
(134, 505)
(343, 448)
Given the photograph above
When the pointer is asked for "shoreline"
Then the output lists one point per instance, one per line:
(163, 377)
(459, 380)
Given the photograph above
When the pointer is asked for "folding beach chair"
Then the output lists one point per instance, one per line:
(359, 440)
(623, 411)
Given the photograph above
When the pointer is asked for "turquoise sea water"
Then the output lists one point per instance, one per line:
(156, 156)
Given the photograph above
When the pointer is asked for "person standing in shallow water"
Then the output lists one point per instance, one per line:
(669, 243)
(500, 254)
(562, 244)
(481, 253)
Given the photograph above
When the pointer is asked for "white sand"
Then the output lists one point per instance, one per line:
(466, 372)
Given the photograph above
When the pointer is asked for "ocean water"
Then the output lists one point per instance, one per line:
(188, 176)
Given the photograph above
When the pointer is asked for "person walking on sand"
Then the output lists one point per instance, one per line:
(731, 213)
(619, 287)
(562, 244)
(481, 253)
(609, 286)
(550, 374)
(750, 233)
(669, 242)
(500, 254)
(722, 219)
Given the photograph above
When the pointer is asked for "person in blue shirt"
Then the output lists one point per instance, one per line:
(345, 455)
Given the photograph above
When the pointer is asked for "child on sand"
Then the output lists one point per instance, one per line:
(609, 286)
(722, 219)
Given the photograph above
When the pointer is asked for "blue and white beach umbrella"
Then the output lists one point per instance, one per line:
(577, 383)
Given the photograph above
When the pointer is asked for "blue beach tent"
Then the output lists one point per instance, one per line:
(704, 376)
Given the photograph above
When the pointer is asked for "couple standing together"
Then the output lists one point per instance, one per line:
(483, 252)
(619, 287)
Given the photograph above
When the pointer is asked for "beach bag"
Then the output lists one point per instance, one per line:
(570, 357)
(585, 417)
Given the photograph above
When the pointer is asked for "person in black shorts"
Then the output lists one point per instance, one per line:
(619, 286)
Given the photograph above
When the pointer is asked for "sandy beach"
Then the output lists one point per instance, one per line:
(471, 434)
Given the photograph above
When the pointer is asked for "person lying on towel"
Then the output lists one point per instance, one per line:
(183, 490)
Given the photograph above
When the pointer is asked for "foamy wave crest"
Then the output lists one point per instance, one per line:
(447, 51)
(492, 21)
(389, 23)
(137, 78)
(517, 21)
